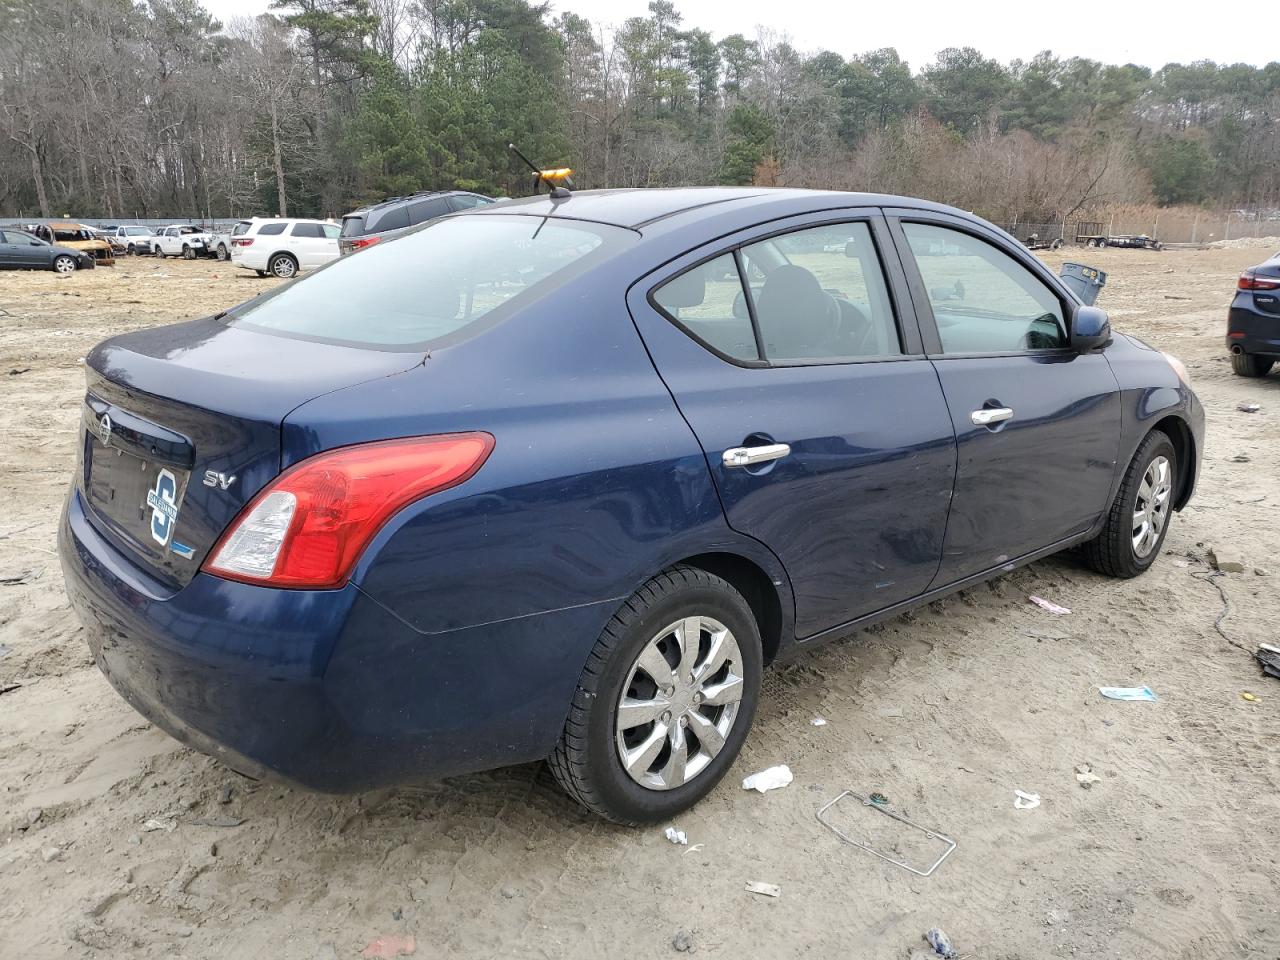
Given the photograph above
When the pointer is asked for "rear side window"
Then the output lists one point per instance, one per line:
(983, 300)
(425, 210)
(309, 230)
(709, 303)
(815, 295)
(448, 276)
(392, 218)
(271, 229)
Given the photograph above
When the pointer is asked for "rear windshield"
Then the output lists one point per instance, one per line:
(241, 227)
(352, 226)
(431, 284)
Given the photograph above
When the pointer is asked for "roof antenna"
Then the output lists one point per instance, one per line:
(558, 181)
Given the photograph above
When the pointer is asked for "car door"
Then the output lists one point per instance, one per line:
(303, 241)
(1037, 424)
(823, 424)
(8, 249)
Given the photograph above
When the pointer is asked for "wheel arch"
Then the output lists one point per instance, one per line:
(756, 587)
(1184, 446)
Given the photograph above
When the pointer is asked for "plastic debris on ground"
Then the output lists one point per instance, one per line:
(1246, 695)
(1025, 801)
(22, 576)
(676, 836)
(818, 721)
(158, 824)
(1049, 606)
(764, 889)
(940, 942)
(879, 799)
(1249, 407)
(770, 779)
(1128, 693)
(1269, 659)
(390, 946)
(1085, 776)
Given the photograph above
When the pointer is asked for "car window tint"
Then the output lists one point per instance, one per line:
(448, 275)
(465, 201)
(271, 229)
(310, 230)
(708, 302)
(425, 210)
(983, 300)
(392, 218)
(823, 295)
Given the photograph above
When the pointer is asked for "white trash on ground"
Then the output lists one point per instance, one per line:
(1025, 801)
(1128, 693)
(770, 779)
(676, 836)
(1049, 606)
(819, 721)
(764, 889)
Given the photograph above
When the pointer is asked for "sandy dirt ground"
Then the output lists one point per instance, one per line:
(946, 711)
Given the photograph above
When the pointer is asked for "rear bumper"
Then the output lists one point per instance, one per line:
(324, 689)
(1251, 330)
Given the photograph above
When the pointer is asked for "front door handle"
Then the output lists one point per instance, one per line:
(746, 456)
(987, 416)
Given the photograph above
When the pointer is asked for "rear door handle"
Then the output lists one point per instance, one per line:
(746, 456)
(987, 416)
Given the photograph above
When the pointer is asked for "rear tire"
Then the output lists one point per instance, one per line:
(221, 253)
(700, 719)
(1148, 492)
(283, 266)
(1250, 365)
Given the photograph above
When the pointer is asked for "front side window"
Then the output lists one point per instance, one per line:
(983, 300)
(331, 231)
(448, 275)
(816, 295)
(307, 230)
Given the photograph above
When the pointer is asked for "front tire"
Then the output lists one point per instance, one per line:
(1250, 365)
(64, 264)
(1139, 517)
(159, 253)
(665, 700)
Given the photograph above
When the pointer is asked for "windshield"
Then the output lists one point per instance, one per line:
(137, 231)
(432, 283)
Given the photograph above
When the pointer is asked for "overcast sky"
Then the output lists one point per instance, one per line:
(1114, 32)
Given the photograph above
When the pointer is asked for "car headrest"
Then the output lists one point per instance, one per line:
(687, 290)
(793, 307)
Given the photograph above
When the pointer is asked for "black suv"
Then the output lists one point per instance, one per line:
(390, 218)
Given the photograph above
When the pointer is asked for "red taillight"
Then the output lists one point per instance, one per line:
(241, 241)
(1249, 281)
(359, 243)
(309, 526)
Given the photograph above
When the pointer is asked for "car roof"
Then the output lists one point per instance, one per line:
(641, 207)
(390, 201)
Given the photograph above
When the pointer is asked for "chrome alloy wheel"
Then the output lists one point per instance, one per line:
(679, 703)
(1151, 510)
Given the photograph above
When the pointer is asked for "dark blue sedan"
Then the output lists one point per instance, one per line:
(558, 478)
(1253, 321)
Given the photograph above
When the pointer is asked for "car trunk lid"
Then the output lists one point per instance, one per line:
(180, 427)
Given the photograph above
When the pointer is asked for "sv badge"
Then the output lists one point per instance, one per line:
(222, 481)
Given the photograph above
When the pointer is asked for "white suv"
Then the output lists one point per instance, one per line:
(283, 247)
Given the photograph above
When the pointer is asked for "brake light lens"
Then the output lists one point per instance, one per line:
(1249, 281)
(310, 525)
(359, 243)
(242, 241)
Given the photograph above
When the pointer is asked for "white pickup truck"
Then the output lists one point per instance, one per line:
(186, 241)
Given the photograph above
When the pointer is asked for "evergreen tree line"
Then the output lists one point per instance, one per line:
(115, 109)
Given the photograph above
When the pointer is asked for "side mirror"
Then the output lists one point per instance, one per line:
(1090, 329)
